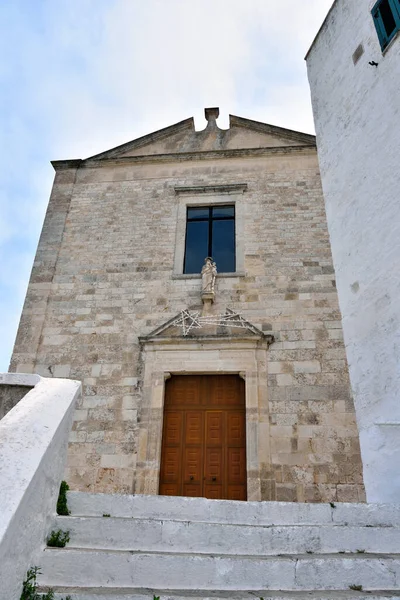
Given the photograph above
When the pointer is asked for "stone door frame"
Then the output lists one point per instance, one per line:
(164, 357)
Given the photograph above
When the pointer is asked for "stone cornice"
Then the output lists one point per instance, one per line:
(211, 189)
(60, 165)
(303, 138)
(245, 341)
(185, 156)
(147, 139)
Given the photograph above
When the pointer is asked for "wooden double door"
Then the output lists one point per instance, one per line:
(204, 437)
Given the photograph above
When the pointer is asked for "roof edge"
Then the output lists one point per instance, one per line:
(271, 129)
(62, 165)
(145, 139)
(321, 28)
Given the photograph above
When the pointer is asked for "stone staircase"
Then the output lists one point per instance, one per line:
(181, 548)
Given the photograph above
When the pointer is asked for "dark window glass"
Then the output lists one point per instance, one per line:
(198, 213)
(210, 231)
(196, 245)
(223, 245)
(387, 17)
(223, 211)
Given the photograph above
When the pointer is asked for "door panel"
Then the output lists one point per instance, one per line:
(173, 427)
(237, 492)
(194, 427)
(227, 390)
(182, 391)
(236, 465)
(236, 428)
(213, 492)
(171, 465)
(193, 465)
(213, 465)
(204, 437)
(168, 489)
(191, 490)
(214, 428)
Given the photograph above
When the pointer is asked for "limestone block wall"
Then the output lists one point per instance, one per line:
(113, 281)
(356, 112)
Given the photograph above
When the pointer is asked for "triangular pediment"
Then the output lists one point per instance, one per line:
(193, 324)
(183, 138)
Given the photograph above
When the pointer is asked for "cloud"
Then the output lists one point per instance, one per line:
(82, 76)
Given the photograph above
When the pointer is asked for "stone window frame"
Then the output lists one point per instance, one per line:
(209, 195)
(246, 356)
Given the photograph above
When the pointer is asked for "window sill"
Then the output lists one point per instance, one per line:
(395, 37)
(198, 276)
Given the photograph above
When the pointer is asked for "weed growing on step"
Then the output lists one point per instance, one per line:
(58, 539)
(29, 587)
(333, 505)
(360, 551)
(62, 507)
(106, 515)
(356, 588)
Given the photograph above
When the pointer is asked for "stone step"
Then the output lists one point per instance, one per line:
(155, 535)
(230, 511)
(111, 569)
(148, 594)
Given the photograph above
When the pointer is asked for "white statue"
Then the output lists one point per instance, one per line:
(208, 276)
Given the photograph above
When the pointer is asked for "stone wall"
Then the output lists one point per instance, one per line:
(113, 280)
(356, 112)
(10, 395)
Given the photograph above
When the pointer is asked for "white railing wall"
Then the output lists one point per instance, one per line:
(33, 446)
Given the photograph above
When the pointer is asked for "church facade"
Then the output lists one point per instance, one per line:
(186, 279)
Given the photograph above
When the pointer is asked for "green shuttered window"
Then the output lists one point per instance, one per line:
(386, 15)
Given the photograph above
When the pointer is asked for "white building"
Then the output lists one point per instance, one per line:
(354, 68)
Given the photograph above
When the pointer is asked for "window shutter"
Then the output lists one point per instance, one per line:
(380, 28)
(395, 6)
(386, 13)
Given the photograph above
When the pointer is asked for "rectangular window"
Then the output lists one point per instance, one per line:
(210, 231)
(386, 15)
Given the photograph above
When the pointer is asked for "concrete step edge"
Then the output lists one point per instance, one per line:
(217, 555)
(197, 572)
(220, 511)
(157, 535)
(152, 520)
(148, 594)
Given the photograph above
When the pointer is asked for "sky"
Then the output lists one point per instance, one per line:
(78, 77)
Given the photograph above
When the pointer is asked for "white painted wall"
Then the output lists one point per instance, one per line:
(33, 445)
(357, 119)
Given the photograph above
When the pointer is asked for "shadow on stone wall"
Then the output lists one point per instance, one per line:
(10, 395)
